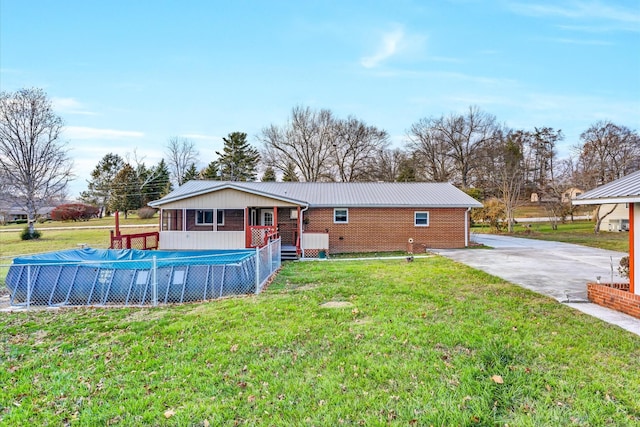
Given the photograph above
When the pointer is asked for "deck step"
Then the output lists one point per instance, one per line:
(288, 254)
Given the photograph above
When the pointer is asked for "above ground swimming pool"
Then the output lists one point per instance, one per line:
(134, 277)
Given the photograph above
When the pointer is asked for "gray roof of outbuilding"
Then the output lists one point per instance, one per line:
(623, 190)
(337, 194)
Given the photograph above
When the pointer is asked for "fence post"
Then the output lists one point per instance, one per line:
(257, 270)
(270, 249)
(154, 285)
(28, 285)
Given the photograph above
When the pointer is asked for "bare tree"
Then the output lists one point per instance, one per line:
(433, 152)
(181, 155)
(451, 145)
(608, 152)
(32, 153)
(306, 142)
(386, 165)
(540, 153)
(510, 174)
(356, 145)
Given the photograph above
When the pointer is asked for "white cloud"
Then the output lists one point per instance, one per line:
(70, 106)
(80, 132)
(626, 19)
(202, 137)
(395, 43)
(579, 42)
(389, 46)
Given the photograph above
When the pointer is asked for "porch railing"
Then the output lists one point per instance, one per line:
(260, 235)
(144, 241)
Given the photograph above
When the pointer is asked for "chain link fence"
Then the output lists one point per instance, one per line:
(146, 282)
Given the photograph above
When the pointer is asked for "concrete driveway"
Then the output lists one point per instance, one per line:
(558, 270)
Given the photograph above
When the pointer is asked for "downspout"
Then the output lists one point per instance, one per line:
(466, 228)
(301, 222)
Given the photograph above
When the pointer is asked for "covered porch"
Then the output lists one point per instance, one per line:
(224, 228)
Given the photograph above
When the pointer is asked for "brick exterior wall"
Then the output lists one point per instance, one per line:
(389, 229)
(615, 296)
(287, 227)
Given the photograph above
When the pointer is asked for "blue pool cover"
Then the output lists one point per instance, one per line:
(75, 256)
(130, 276)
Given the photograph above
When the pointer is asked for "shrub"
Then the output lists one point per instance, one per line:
(26, 235)
(146, 213)
(74, 212)
(491, 213)
(623, 268)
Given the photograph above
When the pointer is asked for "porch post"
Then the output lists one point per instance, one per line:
(275, 217)
(247, 230)
(632, 252)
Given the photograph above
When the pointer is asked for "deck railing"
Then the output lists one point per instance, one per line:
(144, 241)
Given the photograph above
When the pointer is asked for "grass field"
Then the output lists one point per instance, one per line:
(424, 343)
(578, 232)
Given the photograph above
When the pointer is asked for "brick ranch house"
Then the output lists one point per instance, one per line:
(626, 191)
(313, 217)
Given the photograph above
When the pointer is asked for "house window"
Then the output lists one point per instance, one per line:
(340, 216)
(205, 217)
(421, 219)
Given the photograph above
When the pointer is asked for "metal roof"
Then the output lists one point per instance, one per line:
(337, 194)
(623, 190)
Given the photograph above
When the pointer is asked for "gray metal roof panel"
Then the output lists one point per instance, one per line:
(627, 186)
(339, 194)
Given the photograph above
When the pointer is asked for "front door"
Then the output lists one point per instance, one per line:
(266, 217)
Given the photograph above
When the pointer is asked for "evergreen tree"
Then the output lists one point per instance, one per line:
(125, 193)
(238, 160)
(269, 175)
(157, 183)
(289, 174)
(407, 171)
(100, 186)
(191, 173)
(211, 171)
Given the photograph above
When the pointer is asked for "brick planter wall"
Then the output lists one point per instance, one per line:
(615, 296)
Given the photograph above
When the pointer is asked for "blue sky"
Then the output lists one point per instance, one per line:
(128, 75)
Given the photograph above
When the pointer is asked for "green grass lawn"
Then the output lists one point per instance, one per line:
(424, 343)
(578, 232)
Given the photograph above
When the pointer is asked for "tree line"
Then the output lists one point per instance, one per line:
(470, 149)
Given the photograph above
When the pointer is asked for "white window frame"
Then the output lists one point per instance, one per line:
(335, 210)
(202, 213)
(415, 218)
(218, 213)
(214, 216)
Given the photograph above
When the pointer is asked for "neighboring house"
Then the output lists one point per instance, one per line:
(571, 194)
(312, 217)
(10, 214)
(625, 190)
(618, 220)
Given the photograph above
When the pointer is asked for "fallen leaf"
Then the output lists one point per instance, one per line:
(205, 423)
(234, 348)
(169, 413)
(497, 379)
(251, 398)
